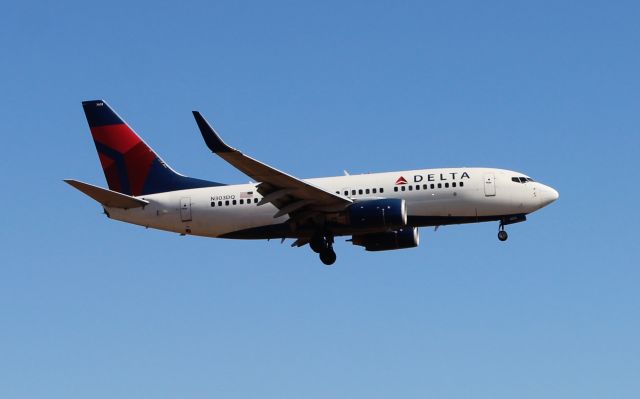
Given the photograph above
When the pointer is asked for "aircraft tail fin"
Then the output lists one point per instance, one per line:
(130, 166)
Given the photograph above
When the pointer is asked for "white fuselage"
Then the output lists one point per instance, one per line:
(431, 195)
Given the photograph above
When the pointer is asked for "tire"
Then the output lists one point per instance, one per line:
(317, 246)
(502, 235)
(328, 256)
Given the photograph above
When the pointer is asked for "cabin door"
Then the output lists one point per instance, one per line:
(185, 209)
(489, 185)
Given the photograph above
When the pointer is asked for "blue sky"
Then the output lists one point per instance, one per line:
(95, 308)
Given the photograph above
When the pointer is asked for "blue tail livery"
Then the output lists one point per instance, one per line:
(130, 166)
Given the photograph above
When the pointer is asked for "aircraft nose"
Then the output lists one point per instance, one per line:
(548, 196)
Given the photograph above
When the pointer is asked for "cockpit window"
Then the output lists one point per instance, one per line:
(521, 179)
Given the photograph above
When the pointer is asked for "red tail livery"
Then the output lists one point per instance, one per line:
(130, 165)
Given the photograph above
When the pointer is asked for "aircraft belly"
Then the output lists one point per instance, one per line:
(223, 221)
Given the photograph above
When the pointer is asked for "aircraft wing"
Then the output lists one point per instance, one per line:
(289, 194)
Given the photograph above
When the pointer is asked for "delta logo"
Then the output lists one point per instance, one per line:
(401, 180)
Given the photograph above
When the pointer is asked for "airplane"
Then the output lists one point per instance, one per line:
(379, 211)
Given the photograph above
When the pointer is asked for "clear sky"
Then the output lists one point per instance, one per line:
(95, 308)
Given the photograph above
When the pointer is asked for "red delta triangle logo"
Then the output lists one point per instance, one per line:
(401, 180)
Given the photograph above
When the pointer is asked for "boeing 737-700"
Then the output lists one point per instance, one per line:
(379, 211)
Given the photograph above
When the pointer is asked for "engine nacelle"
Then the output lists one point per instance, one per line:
(406, 237)
(382, 213)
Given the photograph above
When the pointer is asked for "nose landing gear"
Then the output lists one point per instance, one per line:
(502, 234)
(323, 245)
(509, 219)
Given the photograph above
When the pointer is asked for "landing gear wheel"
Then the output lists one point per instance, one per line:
(502, 235)
(317, 246)
(328, 256)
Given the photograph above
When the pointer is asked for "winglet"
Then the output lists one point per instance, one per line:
(211, 138)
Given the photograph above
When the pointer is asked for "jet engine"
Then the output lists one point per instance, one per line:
(406, 237)
(382, 213)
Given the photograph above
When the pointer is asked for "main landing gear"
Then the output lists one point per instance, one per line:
(502, 234)
(323, 245)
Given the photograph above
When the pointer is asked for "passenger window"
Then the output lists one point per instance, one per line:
(255, 200)
(417, 187)
(226, 202)
(433, 186)
(381, 190)
(439, 185)
(461, 184)
(402, 188)
(410, 188)
(353, 192)
(446, 185)
(367, 191)
(360, 191)
(346, 193)
(453, 184)
(425, 186)
(213, 204)
(373, 190)
(219, 203)
(234, 202)
(241, 202)
(394, 189)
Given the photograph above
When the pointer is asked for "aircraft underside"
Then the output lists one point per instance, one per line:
(321, 240)
(283, 230)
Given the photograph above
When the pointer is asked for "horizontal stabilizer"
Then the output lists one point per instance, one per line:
(106, 197)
